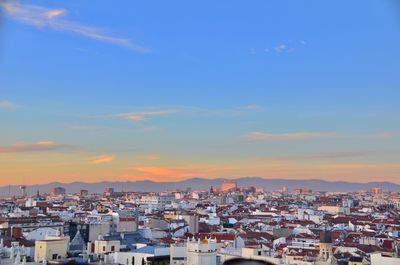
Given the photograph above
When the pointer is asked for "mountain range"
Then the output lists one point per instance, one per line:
(202, 183)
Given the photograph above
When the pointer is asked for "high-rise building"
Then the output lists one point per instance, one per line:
(58, 191)
(228, 185)
(23, 189)
(83, 193)
(377, 190)
(108, 191)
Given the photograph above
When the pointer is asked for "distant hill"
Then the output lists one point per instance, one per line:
(201, 183)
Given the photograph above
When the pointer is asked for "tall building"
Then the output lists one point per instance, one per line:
(201, 251)
(193, 222)
(23, 189)
(377, 190)
(108, 191)
(325, 246)
(228, 185)
(83, 193)
(58, 191)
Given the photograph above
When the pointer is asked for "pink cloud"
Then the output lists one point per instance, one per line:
(103, 159)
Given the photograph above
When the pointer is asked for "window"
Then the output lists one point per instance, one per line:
(104, 248)
(112, 248)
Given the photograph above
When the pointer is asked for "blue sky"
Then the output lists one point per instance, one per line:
(227, 85)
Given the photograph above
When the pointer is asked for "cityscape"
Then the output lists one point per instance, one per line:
(194, 227)
(230, 132)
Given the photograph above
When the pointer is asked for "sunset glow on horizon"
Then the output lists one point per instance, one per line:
(125, 96)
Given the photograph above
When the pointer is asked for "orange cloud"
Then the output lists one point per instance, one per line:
(138, 117)
(170, 173)
(161, 173)
(103, 159)
(33, 147)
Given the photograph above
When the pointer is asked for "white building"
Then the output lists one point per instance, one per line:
(143, 255)
(42, 233)
(200, 252)
(100, 248)
(378, 259)
(157, 200)
(177, 254)
(51, 249)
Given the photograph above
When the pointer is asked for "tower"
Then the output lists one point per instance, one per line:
(23, 189)
(325, 245)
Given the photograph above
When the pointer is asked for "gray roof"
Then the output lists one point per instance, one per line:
(77, 243)
(129, 239)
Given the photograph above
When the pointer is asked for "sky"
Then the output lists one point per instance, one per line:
(170, 90)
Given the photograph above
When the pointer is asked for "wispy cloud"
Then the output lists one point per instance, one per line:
(102, 159)
(42, 17)
(153, 157)
(138, 117)
(5, 104)
(282, 48)
(252, 107)
(298, 136)
(161, 173)
(381, 135)
(33, 147)
(339, 155)
(325, 156)
(294, 136)
(349, 166)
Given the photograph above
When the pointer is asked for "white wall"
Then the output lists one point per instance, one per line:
(377, 259)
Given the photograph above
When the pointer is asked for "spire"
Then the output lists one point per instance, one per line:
(77, 240)
(77, 243)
